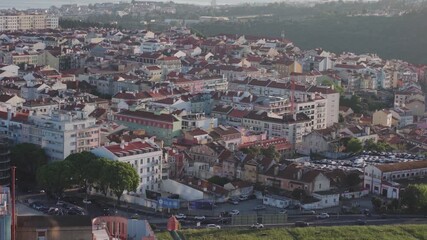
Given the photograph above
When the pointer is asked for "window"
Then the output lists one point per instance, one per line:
(320, 186)
(41, 234)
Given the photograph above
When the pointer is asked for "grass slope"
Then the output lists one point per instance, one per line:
(400, 232)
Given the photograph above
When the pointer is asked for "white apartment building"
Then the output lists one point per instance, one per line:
(145, 156)
(28, 21)
(59, 134)
(315, 109)
(291, 127)
(274, 88)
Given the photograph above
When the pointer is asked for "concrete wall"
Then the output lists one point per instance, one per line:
(184, 191)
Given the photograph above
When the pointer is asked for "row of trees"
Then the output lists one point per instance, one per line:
(412, 200)
(354, 145)
(87, 170)
(27, 158)
(269, 152)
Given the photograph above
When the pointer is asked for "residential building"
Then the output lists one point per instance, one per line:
(4, 164)
(166, 127)
(229, 137)
(291, 127)
(198, 120)
(403, 117)
(145, 157)
(382, 117)
(27, 22)
(61, 134)
(295, 176)
(320, 141)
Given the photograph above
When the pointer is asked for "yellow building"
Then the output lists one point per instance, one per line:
(382, 117)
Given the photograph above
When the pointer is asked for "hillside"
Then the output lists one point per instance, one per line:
(401, 37)
(401, 232)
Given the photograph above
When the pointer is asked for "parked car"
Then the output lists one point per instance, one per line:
(301, 224)
(233, 201)
(243, 197)
(199, 217)
(135, 216)
(213, 226)
(61, 203)
(234, 212)
(322, 216)
(252, 196)
(259, 207)
(87, 201)
(180, 216)
(360, 222)
(257, 225)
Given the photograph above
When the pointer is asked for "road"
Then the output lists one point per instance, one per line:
(245, 207)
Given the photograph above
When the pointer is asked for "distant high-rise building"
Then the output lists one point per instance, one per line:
(4, 164)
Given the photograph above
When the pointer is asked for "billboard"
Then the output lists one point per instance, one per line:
(201, 204)
(168, 203)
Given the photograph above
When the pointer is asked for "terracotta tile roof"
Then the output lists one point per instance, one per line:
(197, 132)
(4, 98)
(149, 115)
(402, 166)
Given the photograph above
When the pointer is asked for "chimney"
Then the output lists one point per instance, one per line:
(367, 130)
(9, 114)
(333, 134)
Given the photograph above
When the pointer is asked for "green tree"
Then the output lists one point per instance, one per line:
(55, 177)
(95, 171)
(415, 198)
(352, 179)
(341, 119)
(376, 202)
(123, 177)
(299, 194)
(354, 145)
(80, 167)
(380, 146)
(270, 152)
(27, 158)
(219, 180)
(254, 151)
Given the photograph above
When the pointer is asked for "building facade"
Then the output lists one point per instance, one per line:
(165, 127)
(145, 157)
(28, 21)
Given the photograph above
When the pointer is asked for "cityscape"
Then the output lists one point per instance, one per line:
(144, 120)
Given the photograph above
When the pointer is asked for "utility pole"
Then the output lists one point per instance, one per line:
(13, 226)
